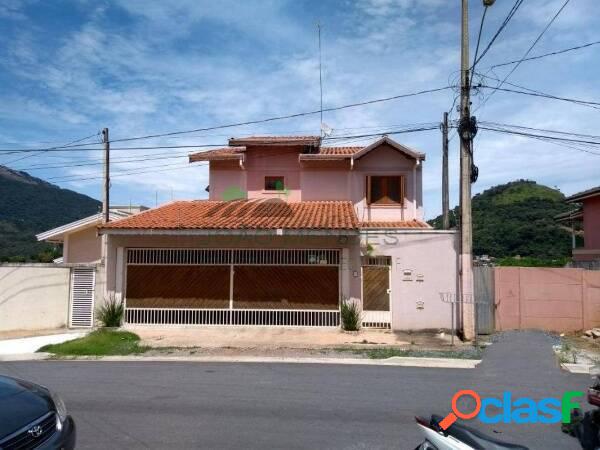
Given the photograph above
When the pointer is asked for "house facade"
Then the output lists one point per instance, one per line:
(588, 212)
(80, 241)
(290, 230)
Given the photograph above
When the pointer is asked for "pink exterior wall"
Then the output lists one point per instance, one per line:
(83, 246)
(591, 223)
(269, 161)
(386, 161)
(546, 298)
(308, 183)
(325, 184)
(423, 265)
(225, 178)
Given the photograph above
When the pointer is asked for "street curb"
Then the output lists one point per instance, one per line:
(442, 363)
(577, 368)
(25, 357)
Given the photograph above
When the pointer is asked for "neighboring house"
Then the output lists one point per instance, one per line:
(588, 211)
(80, 240)
(290, 230)
(82, 261)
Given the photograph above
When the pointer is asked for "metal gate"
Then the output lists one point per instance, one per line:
(232, 295)
(377, 311)
(82, 296)
(483, 281)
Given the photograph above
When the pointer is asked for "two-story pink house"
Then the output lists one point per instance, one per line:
(290, 230)
(589, 213)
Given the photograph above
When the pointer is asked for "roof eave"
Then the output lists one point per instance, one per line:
(230, 232)
(57, 234)
(411, 153)
(577, 198)
(237, 142)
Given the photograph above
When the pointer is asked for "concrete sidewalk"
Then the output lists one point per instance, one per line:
(286, 337)
(29, 345)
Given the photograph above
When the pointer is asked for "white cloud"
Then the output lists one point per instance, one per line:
(190, 64)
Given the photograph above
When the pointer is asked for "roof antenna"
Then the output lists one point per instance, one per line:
(325, 130)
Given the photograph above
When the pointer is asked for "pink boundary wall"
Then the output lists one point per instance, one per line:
(546, 298)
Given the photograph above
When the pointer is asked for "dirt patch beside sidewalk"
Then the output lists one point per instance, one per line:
(288, 342)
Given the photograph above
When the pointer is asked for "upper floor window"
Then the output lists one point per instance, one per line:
(274, 184)
(385, 190)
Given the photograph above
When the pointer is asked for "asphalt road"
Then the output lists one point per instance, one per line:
(292, 406)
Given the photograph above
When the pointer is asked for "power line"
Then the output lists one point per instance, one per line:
(538, 136)
(271, 119)
(585, 103)
(518, 63)
(46, 150)
(575, 146)
(510, 15)
(123, 174)
(557, 52)
(127, 161)
(290, 116)
(85, 149)
(550, 96)
(478, 42)
(335, 139)
(546, 130)
(197, 146)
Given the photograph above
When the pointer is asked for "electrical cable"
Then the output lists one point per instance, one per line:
(557, 52)
(518, 63)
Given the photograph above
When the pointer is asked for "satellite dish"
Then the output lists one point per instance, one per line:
(326, 129)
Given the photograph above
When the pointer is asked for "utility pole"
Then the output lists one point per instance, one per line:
(445, 186)
(105, 197)
(466, 300)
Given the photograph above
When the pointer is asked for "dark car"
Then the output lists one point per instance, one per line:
(31, 416)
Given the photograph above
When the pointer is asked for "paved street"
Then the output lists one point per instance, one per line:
(292, 406)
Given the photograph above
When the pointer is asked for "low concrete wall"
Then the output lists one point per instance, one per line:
(546, 298)
(33, 296)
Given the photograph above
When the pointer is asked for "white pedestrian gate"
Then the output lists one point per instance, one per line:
(82, 296)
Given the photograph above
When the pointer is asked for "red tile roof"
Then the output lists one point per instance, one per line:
(331, 153)
(244, 214)
(237, 146)
(277, 140)
(395, 224)
(226, 153)
(339, 150)
(218, 154)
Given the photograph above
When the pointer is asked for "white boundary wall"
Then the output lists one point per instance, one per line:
(34, 296)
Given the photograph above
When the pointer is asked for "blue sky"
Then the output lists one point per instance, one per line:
(70, 68)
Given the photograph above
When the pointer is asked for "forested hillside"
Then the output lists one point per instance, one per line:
(517, 218)
(28, 206)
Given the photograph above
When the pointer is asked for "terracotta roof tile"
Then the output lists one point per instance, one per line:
(279, 140)
(244, 214)
(218, 154)
(339, 150)
(395, 224)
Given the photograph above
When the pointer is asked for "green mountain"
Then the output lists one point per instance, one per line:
(517, 218)
(29, 206)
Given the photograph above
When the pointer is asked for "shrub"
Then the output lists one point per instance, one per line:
(350, 315)
(110, 313)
